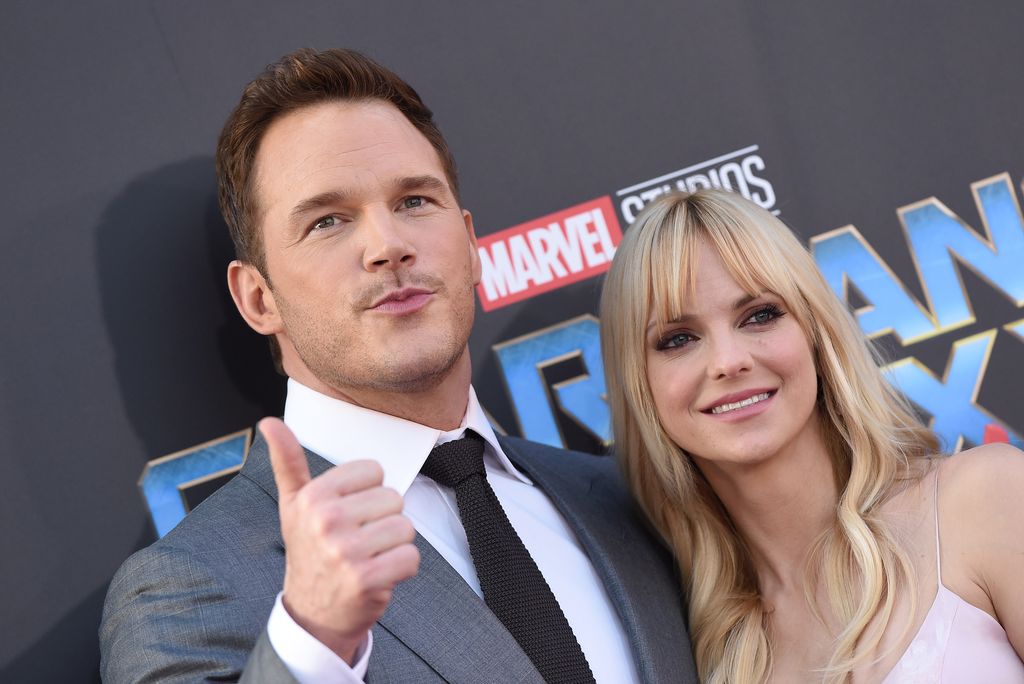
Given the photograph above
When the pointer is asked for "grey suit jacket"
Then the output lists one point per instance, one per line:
(194, 605)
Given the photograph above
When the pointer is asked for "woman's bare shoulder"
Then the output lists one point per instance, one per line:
(972, 478)
(981, 512)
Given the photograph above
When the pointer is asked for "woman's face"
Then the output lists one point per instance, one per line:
(733, 379)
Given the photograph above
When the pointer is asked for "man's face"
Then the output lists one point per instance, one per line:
(370, 260)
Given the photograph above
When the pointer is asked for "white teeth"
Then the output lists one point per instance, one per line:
(740, 404)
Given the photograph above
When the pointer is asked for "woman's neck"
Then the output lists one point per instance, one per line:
(780, 506)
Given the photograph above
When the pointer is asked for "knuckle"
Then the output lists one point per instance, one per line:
(363, 580)
(320, 523)
(341, 515)
(357, 476)
(380, 598)
(302, 499)
(404, 526)
(338, 515)
(355, 584)
(407, 560)
(390, 499)
(374, 471)
(342, 550)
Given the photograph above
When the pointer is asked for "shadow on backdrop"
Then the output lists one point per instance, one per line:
(60, 651)
(70, 646)
(188, 367)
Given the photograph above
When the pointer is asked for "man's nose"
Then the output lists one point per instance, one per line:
(386, 245)
(729, 356)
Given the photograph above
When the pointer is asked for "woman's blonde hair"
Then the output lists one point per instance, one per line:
(874, 439)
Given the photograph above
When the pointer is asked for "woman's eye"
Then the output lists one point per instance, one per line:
(765, 314)
(326, 222)
(675, 341)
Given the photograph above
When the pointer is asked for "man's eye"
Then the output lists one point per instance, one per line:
(414, 202)
(325, 222)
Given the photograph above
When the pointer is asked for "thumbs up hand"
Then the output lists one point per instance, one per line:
(346, 543)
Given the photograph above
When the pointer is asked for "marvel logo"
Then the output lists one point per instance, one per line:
(547, 253)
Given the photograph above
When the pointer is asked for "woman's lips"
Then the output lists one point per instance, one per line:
(738, 409)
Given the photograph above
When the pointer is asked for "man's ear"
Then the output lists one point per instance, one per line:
(475, 255)
(253, 298)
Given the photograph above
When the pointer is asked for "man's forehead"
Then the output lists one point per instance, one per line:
(339, 132)
(332, 138)
(334, 142)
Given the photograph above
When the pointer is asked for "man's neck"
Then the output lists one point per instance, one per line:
(441, 406)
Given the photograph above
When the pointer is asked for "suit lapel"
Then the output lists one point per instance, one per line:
(437, 615)
(634, 568)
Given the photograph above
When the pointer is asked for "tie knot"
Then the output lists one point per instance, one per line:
(453, 462)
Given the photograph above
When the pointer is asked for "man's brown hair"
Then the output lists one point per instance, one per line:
(300, 79)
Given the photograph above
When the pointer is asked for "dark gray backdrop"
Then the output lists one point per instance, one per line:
(120, 343)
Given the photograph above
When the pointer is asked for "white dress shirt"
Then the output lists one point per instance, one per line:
(340, 432)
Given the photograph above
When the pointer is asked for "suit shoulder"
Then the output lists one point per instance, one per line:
(599, 462)
(239, 508)
(592, 471)
(196, 599)
(236, 523)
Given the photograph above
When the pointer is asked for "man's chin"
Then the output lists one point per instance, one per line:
(414, 375)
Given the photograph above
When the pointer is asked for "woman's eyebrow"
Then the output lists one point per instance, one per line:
(687, 317)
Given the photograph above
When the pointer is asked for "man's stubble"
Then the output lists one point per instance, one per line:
(344, 362)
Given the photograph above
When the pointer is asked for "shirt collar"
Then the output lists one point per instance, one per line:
(340, 432)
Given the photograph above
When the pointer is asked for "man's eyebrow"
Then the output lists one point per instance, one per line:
(426, 182)
(686, 317)
(315, 202)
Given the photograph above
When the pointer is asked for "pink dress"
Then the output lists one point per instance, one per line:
(958, 643)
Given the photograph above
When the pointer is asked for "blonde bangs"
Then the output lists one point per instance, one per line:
(755, 255)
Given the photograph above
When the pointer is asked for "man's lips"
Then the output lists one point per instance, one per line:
(406, 300)
(739, 400)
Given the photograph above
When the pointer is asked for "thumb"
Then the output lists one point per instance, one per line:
(288, 460)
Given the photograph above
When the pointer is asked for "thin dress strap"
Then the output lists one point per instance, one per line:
(938, 548)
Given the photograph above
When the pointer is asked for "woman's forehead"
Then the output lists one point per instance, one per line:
(707, 276)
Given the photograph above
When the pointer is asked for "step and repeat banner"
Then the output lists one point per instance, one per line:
(888, 138)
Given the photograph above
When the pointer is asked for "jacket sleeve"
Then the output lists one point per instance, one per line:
(169, 618)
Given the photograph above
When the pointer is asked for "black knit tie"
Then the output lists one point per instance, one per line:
(512, 585)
